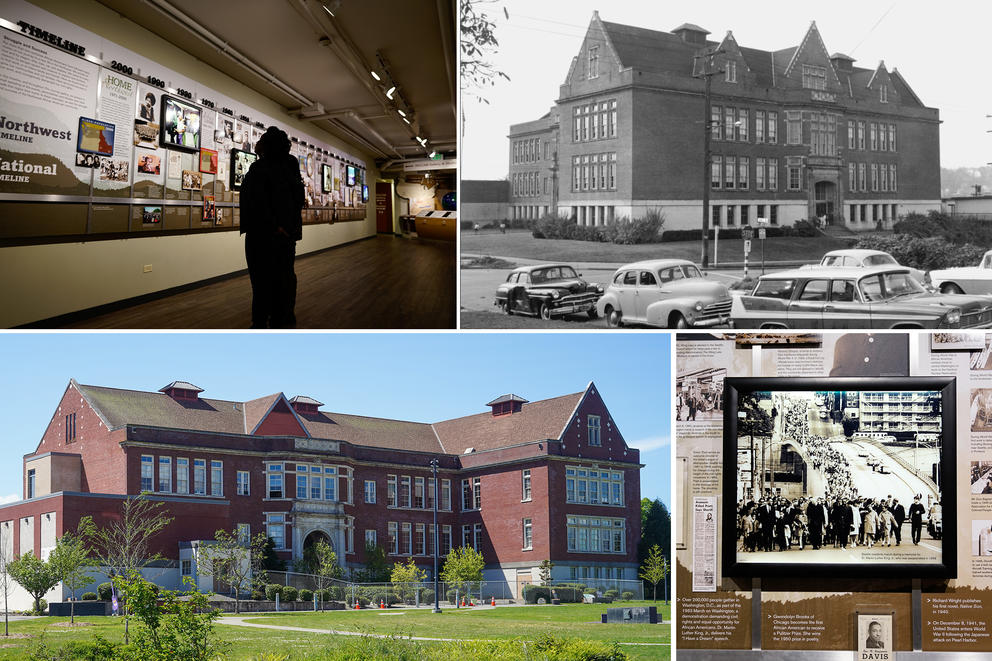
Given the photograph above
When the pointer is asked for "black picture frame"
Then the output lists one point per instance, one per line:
(184, 136)
(350, 173)
(946, 567)
(326, 178)
(242, 159)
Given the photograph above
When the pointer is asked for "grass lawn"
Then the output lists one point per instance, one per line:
(524, 622)
(520, 243)
(478, 319)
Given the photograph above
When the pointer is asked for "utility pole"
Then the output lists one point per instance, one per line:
(437, 596)
(707, 74)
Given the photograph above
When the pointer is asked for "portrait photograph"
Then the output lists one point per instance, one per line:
(149, 164)
(846, 474)
(875, 636)
(208, 161)
(209, 209)
(192, 180)
(147, 107)
(87, 160)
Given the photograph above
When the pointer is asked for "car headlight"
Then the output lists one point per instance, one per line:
(699, 307)
(555, 294)
(954, 316)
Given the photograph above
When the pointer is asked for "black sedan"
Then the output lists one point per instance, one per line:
(546, 291)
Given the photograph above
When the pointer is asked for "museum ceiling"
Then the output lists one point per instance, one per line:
(315, 58)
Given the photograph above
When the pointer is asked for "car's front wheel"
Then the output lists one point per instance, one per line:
(593, 313)
(677, 321)
(545, 311)
(613, 317)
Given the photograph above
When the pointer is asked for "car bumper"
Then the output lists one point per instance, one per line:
(709, 322)
(573, 308)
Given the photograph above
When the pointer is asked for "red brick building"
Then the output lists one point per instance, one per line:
(523, 482)
(796, 133)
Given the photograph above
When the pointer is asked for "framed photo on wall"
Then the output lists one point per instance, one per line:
(209, 209)
(192, 180)
(350, 174)
(240, 162)
(208, 161)
(180, 125)
(839, 477)
(326, 178)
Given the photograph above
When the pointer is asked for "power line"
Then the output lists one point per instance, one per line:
(877, 23)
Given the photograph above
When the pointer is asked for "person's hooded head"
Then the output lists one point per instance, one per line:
(274, 142)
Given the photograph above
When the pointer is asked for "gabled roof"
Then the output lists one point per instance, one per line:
(650, 50)
(120, 407)
(535, 421)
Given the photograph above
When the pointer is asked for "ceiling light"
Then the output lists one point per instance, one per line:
(389, 92)
(406, 120)
(328, 10)
(375, 75)
(402, 114)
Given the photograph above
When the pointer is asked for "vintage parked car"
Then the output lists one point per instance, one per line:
(863, 258)
(546, 291)
(964, 279)
(669, 293)
(876, 297)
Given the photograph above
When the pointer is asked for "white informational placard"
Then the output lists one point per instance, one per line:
(704, 544)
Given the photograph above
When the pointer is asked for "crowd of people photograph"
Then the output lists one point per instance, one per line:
(840, 516)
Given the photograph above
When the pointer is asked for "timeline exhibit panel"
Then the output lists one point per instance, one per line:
(831, 485)
(96, 139)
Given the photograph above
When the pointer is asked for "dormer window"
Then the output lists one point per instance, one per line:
(593, 71)
(305, 405)
(814, 78)
(182, 391)
(730, 69)
(506, 404)
(883, 94)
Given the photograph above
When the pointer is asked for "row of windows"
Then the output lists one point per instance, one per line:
(472, 494)
(414, 538)
(596, 535)
(609, 573)
(734, 125)
(529, 150)
(859, 213)
(414, 492)
(594, 121)
(881, 137)
(717, 212)
(313, 482)
(527, 184)
(275, 527)
(884, 177)
(164, 483)
(594, 172)
(593, 486)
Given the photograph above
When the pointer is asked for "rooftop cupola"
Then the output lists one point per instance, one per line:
(842, 62)
(507, 404)
(182, 391)
(304, 404)
(691, 34)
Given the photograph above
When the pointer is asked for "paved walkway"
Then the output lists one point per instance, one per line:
(239, 621)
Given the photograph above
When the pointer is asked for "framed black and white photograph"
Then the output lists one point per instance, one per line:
(980, 409)
(981, 478)
(957, 341)
(839, 477)
(875, 636)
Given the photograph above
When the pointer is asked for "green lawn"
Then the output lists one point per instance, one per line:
(524, 623)
(520, 243)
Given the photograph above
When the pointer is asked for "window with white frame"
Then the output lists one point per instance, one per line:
(759, 174)
(862, 176)
(743, 125)
(883, 94)
(216, 477)
(795, 174)
(892, 178)
(370, 538)
(404, 491)
(892, 137)
(445, 541)
(772, 128)
(477, 536)
(729, 172)
(716, 171)
(582, 483)
(275, 527)
(466, 536)
(874, 177)
(861, 136)
(431, 488)
(302, 480)
(393, 538)
(200, 476)
(528, 534)
(814, 77)
(418, 492)
(430, 539)
(730, 118)
(349, 534)
(390, 491)
(445, 495)
(419, 539)
(315, 483)
(592, 427)
(716, 122)
(525, 483)
(370, 491)
(873, 132)
(182, 475)
(883, 175)
(852, 136)
(852, 177)
(794, 127)
(593, 71)
(590, 534)
(165, 474)
(147, 472)
(743, 168)
(274, 478)
(773, 176)
(31, 483)
(186, 567)
(406, 538)
(759, 126)
(244, 486)
(730, 71)
(244, 533)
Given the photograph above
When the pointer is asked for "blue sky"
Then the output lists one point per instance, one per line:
(408, 376)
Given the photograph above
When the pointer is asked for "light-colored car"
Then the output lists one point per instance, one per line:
(864, 258)
(876, 297)
(667, 293)
(964, 279)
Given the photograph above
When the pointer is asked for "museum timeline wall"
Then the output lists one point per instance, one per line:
(109, 132)
(813, 611)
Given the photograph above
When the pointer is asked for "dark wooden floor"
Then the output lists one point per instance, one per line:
(382, 282)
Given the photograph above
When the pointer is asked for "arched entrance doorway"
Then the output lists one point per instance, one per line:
(309, 559)
(825, 200)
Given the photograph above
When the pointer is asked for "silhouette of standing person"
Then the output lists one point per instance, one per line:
(271, 202)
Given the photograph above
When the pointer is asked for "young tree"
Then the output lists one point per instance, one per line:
(70, 563)
(403, 575)
(545, 571)
(478, 41)
(656, 529)
(5, 578)
(34, 575)
(235, 561)
(654, 569)
(123, 545)
(464, 565)
(376, 566)
(325, 566)
(270, 559)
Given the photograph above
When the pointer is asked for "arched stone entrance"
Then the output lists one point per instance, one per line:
(315, 536)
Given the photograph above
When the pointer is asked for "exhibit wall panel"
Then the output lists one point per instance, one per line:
(842, 447)
(142, 188)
